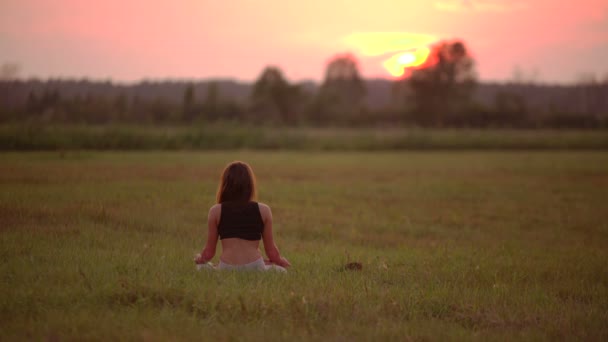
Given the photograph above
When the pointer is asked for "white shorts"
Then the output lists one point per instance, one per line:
(258, 265)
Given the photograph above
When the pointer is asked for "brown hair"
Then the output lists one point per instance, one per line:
(237, 183)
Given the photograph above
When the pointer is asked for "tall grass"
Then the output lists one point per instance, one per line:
(232, 136)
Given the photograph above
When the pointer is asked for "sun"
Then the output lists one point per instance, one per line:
(407, 51)
(400, 63)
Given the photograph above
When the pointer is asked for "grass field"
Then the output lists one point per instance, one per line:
(456, 245)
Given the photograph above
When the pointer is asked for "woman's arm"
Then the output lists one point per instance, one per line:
(212, 221)
(269, 246)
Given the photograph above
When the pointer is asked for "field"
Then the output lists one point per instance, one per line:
(454, 245)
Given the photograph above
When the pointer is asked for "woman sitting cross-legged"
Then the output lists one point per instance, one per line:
(240, 223)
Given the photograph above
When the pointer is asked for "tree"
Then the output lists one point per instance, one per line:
(511, 108)
(443, 87)
(591, 94)
(188, 105)
(121, 106)
(343, 90)
(273, 94)
(211, 103)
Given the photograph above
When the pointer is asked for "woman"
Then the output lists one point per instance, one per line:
(240, 223)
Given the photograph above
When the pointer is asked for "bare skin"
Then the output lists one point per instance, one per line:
(237, 251)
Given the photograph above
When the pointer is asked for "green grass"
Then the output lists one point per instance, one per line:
(222, 136)
(454, 245)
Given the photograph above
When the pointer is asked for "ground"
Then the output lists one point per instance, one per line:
(458, 245)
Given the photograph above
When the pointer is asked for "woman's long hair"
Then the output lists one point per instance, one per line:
(237, 184)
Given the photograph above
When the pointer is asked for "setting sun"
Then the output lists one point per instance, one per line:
(406, 50)
(399, 64)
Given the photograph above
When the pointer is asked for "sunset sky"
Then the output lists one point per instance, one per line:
(549, 40)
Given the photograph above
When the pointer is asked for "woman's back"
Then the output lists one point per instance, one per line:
(240, 226)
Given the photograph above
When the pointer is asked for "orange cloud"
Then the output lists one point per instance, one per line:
(479, 5)
(380, 43)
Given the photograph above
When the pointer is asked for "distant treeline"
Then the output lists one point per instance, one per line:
(444, 93)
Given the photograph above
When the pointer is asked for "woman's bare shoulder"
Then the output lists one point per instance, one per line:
(215, 210)
(264, 210)
(263, 206)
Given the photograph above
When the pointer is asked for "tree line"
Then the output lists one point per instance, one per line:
(444, 92)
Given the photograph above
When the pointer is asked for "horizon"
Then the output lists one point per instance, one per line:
(246, 82)
(139, 41)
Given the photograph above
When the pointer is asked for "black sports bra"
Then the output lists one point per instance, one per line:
(241, 220)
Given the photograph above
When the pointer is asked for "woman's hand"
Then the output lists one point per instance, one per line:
(206, 255)
(279, 262)
(283, 262)
(199, 259)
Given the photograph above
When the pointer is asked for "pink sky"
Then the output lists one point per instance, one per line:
(156, 39)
